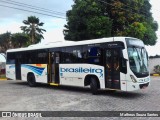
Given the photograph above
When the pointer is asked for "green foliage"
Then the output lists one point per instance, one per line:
(5, 43)
(91, 19)
(132, 18)
(136, 29)
(33, 29)
(86, 20)
(16, 40)
(2, 76)
(157, 69)
(19, 40)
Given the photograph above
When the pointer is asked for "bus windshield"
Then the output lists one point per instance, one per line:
(138, 60)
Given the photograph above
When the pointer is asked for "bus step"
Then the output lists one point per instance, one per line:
(54, 84)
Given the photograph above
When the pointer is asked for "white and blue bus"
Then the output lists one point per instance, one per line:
(117, 63)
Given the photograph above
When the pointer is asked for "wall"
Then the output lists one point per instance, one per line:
(153, 62)
(2, 67)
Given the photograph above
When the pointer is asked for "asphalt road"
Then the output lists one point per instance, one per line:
(18, 96)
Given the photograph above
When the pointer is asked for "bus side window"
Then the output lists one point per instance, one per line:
(62, 57)
(66, 55)
(94, 55)
(10, 58)
(42, 57)
(57, 58)
(77, 54)
(84, 53)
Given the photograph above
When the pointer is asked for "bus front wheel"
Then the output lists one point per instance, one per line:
(31, 80)
(94, 85)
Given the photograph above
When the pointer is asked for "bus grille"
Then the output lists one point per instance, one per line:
(142, 86)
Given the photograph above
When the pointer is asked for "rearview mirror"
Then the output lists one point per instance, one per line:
(125, 55)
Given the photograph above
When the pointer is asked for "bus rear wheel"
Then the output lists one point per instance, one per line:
(31, 80)
(94, 85)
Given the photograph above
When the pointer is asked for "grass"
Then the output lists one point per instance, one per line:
(3, 76)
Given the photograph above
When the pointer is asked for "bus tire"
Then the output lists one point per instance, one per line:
(31, 80)
(94, 85)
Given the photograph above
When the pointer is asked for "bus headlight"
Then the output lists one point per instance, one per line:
(133, 78)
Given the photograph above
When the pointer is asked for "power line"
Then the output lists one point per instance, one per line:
(32, 7)
(32, 11)
(51, 11)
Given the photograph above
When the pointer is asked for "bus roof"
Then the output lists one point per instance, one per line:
(68, 43)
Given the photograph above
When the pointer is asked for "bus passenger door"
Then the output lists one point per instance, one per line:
(18, 69)
(112, 68)
(54, 67)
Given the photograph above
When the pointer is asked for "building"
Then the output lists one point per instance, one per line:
(2, 64)
(2, 67)
(153, 61)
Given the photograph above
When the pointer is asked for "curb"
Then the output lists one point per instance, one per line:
(3, 79)
(155, 74)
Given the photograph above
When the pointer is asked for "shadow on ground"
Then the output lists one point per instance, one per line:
(86, 90)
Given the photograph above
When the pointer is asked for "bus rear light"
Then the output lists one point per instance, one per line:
(133, 78)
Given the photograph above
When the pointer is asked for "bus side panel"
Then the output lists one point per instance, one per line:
(10, 71)
(123, 82)
(39, 70)
(74, 74)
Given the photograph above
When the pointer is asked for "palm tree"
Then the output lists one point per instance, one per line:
(32, 29)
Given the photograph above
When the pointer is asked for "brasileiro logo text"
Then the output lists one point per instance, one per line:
(82, 70)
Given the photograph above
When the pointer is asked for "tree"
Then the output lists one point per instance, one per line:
(86, 20)
(32, 29)
(132, 18)
(9, 41)
(109, 18)
(5, 42)
(19, 40)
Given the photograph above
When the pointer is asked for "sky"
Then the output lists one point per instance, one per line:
(11, 19)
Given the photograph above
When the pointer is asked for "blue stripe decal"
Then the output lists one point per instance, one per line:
(38, 70)
(11, 66)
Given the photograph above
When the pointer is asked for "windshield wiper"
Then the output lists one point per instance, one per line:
(134, 48)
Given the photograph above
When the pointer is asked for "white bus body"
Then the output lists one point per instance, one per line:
(119, 63)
